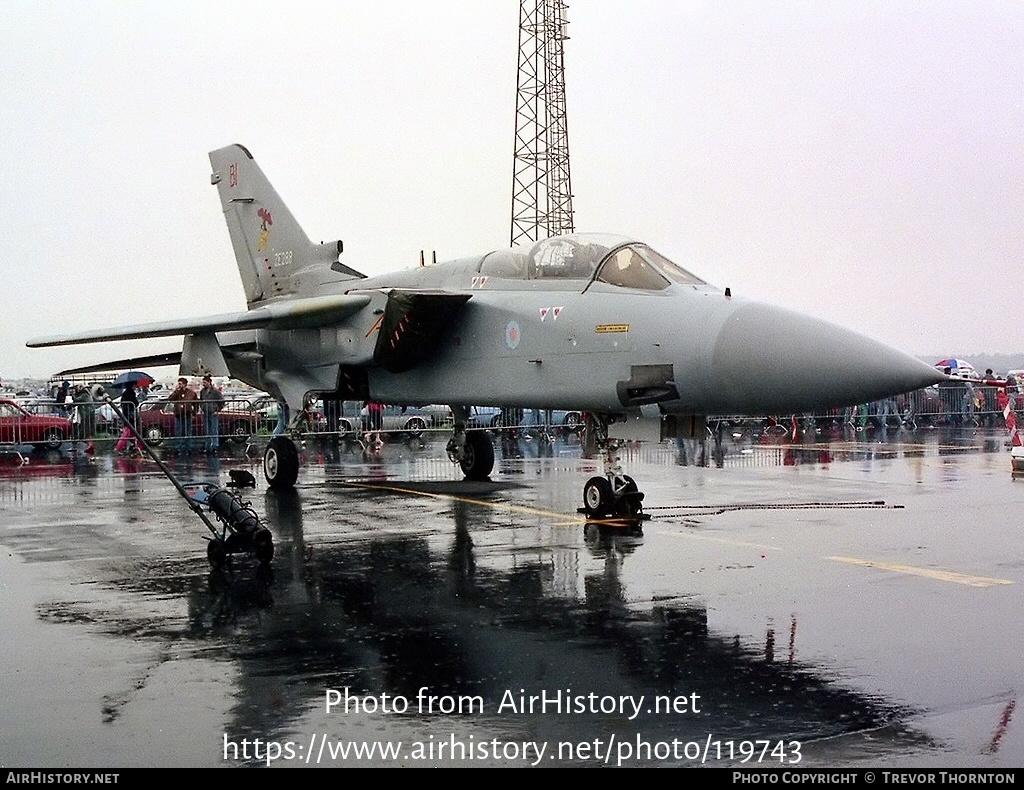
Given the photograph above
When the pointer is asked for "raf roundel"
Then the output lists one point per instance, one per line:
(513, 334)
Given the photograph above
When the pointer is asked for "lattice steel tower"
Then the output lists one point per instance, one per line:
(541, 188)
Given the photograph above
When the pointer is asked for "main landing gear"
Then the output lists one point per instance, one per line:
(281, 463)
(281, 458)
(471, 450)
(614, 495)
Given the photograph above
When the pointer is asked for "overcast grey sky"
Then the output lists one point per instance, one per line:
(861, 161)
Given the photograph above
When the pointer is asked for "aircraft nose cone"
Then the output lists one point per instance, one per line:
(767, 360)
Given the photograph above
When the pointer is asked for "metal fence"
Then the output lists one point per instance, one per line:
(954, 402)
(242, 420)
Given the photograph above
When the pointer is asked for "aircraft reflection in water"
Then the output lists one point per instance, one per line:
(595, 323)
(390, 615)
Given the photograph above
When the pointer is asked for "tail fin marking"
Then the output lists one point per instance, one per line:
(269, 244)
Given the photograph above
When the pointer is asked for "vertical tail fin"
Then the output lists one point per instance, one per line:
(270, 245)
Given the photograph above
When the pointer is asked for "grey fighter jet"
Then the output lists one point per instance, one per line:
(597, 323)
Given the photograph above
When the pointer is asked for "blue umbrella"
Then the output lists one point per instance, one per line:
(132, 375)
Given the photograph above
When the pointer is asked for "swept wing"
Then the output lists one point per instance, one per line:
(305, 313)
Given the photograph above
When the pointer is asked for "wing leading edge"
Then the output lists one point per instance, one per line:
(307, 313)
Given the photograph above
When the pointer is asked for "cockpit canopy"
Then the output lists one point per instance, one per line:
(589, 257)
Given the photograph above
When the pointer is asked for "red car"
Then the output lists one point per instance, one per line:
(156, 419)
(18, 426)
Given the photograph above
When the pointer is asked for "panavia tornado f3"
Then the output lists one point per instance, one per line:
(592, 322)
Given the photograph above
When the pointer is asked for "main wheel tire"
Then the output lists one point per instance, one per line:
(573, 422)
(598, 497)
(281, 463)
(477, 456)
(53, 438)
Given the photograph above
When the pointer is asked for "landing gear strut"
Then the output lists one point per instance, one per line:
(471, 450)
(281, 458)
(615, 494)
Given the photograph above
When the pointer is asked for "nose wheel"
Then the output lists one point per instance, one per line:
(613, 495)
(597, 497)
(619, 498)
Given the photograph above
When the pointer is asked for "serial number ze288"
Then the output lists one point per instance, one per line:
(758, 751)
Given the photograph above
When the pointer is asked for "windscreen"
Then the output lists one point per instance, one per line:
(639, 267)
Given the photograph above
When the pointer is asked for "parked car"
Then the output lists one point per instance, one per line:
(156, 420)
(107, 421)
(265, 410)
(567, 421)
(44, 407)
(411, 420)
(493, 417)
(18, 426)
(238, 421)
(336, 416)
(440, 416)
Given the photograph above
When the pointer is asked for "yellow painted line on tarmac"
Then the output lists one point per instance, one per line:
(930, 573)
(468, 500)
(566, 520)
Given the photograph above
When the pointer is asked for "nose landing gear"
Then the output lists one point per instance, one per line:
(615, 495)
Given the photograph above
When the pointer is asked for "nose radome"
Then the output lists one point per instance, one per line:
(768, 360)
